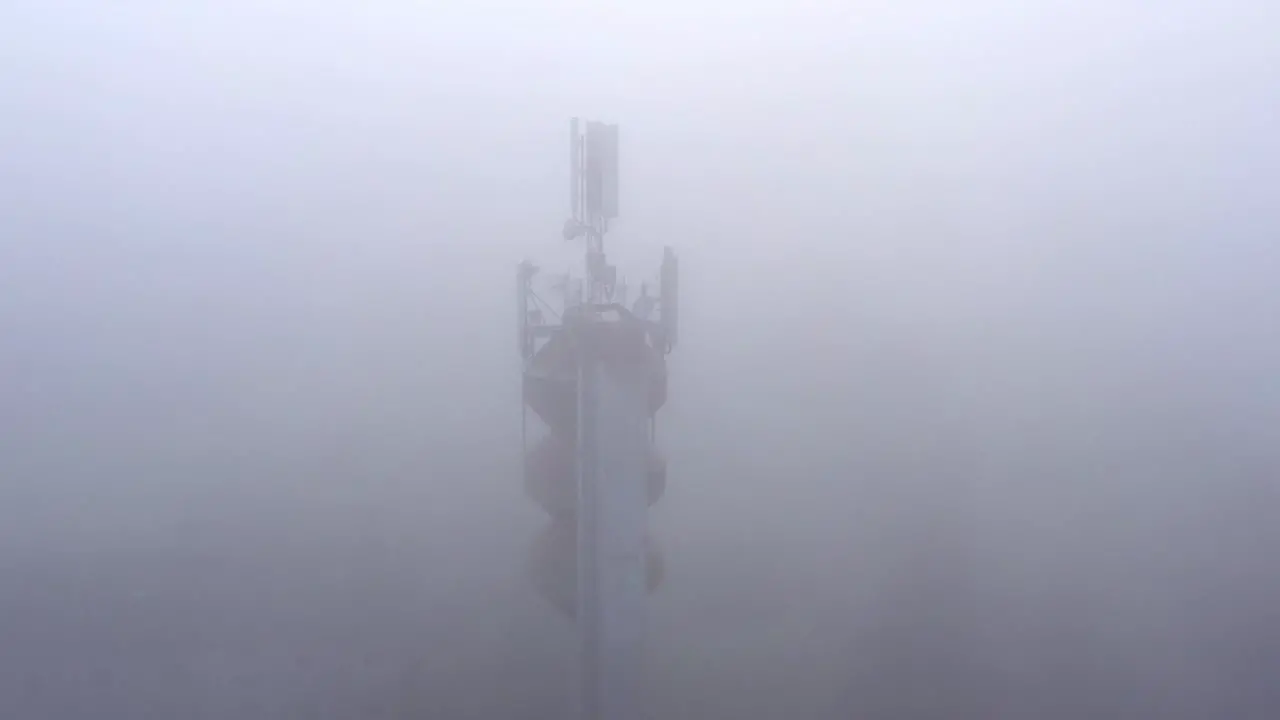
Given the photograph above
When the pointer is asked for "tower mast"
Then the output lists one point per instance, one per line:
(597, 379)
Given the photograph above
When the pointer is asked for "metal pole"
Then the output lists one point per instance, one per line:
(613, 447)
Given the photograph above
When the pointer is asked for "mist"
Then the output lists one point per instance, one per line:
(975, 412)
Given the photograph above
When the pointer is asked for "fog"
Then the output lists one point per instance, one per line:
(975, 412)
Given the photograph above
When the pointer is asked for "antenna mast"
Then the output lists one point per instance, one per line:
(597, 380)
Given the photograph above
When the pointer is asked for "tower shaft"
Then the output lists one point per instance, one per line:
(613, 464)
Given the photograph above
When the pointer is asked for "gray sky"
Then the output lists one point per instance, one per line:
(980, 305)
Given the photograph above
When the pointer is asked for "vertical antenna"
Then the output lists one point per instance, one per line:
(575, 171)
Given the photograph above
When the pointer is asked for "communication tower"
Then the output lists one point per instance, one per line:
(594, 372)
